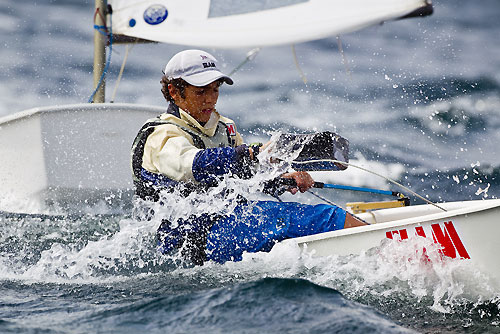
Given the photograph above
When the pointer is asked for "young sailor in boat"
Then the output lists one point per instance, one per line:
(190, 147)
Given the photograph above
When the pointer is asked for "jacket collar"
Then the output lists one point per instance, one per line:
(209, 128)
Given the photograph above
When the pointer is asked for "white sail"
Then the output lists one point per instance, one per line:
(256, 23)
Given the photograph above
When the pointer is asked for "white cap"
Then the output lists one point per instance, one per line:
(196, 67)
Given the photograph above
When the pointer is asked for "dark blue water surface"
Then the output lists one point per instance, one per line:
(261, 306)
(419, 101)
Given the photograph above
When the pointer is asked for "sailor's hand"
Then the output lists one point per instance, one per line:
(254, 150)
(272, 160)
(303, 179)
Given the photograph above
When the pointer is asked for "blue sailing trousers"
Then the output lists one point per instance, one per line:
(254, 227)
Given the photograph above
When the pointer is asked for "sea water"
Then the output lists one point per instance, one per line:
(419, 102)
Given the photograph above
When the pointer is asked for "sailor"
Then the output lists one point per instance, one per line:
(190, 147)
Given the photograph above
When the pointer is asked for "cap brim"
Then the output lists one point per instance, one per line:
(205, 78)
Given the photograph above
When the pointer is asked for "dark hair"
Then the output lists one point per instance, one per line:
(179, 84)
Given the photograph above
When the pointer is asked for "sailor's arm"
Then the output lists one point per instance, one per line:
(170, 151)
(211, 163)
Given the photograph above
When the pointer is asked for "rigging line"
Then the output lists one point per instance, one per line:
(121, 71)
(101, 29)
(324, 199)
(108, 61)
(250, 56)
(332, 203)
(302, 75)
(374, 173)
(98, 12)
(344, 58)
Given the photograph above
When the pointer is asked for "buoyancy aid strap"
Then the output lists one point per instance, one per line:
(173, 110)
(140, 142)
(229, 131)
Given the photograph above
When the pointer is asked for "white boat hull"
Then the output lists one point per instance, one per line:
(70, 153)
(467, 230)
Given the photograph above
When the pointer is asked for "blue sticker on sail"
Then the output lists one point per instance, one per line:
(155, 14)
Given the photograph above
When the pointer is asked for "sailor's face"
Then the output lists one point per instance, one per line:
(199, 102)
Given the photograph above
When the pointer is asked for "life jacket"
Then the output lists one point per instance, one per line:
(149, 184)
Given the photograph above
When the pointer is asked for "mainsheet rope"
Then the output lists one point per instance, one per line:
(297, 65)
(127, 49)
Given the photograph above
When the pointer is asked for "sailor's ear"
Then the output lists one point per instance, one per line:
(174, 92)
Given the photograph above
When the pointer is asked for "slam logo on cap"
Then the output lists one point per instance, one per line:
(207, 64)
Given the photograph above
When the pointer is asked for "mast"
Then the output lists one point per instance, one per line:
(100, 41)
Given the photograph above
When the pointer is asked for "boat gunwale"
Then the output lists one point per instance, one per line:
(112, 107)
(475, 207)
